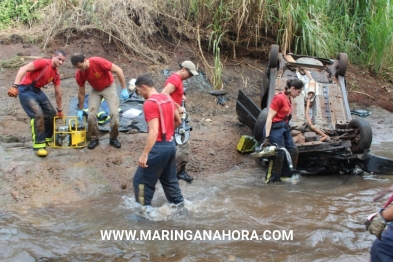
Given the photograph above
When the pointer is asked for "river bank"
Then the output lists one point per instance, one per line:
(69, 175)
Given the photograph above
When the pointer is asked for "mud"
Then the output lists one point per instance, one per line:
(68, 175)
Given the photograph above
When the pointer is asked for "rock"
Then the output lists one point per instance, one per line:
(15, 194)
(5, 41)
(211, 152)
(8, 139)
(15, 39)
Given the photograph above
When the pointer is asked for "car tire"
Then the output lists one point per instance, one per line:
(364, 135)
(260, 125)
(341, 68)
(273, 56)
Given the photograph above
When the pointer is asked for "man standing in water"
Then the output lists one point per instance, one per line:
(157, 161)
(28, 83)
(174, 88)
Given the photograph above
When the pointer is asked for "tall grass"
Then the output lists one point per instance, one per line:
(361, 28)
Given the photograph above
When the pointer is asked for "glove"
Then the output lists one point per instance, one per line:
(80, 114)
(59, 113)
(266, 142)
(375, 225)
(13, 91)
(124, 94)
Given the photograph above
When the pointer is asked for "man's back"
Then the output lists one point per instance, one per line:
(151, 109)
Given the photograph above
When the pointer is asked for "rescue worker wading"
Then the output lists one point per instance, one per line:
(174, 88)
(277, 131)
(28, 84)
(97, 71)
(158, 159)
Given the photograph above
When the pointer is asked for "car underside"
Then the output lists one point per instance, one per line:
(327, 137)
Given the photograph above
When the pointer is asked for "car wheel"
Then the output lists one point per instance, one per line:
(273, 56)
(363, 135)
(341, 69)
(260, 125)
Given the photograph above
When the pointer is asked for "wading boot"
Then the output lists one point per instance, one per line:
(182, 174)
(274, 169)
(41, 152)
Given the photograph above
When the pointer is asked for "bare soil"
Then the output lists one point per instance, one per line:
(67, 175)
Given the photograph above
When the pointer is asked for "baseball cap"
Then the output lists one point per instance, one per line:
(190, 66)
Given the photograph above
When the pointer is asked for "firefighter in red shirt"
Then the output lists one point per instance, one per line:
(174, 88)
(157, 161)
(97, 72)
(28, 84)
(277, 131)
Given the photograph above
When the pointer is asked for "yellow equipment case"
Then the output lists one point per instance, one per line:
(246, 144)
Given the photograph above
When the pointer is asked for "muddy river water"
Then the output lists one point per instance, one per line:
(230, 217)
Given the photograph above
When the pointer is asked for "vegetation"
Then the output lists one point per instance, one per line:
(20, 11)
(361, 28)
(12, 63)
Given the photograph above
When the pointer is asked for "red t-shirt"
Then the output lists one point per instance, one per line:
(98, 74)
(151, 111)
(176, 95)
(50, 74)
(282, 105)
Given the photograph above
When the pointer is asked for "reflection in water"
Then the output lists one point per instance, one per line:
(325, 214)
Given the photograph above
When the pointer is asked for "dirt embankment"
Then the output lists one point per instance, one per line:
(73, 174)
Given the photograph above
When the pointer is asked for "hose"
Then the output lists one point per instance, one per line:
(288, 156)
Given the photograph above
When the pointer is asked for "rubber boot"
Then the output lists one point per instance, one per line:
(182, 174)
(41, 152)
(274, 169)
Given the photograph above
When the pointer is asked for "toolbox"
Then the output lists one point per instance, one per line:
(246, 144)
(69, 132)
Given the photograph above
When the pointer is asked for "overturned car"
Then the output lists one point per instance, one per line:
(328, 138)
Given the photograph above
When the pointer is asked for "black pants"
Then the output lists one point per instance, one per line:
(161, 163)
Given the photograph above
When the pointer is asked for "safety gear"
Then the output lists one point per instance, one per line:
(59, 113)
(124, 94)
(13, 91)
(266, 142)
(41, 152)
(265, 152)
(161, 166)
(115, 143)
(182, 133)
(182, 174)
(80, 114)
(93, 143)
(375, 224)
(162, 116)
(273, 172)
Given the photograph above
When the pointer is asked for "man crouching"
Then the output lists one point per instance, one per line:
(158, 159)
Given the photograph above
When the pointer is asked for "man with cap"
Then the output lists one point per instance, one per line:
(174, 88)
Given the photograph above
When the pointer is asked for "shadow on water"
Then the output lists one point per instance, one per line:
(324, 213)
